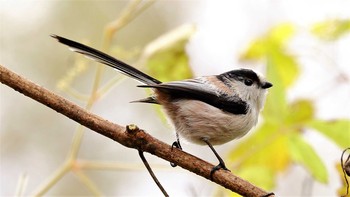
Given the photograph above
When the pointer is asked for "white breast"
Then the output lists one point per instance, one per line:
(195, 120)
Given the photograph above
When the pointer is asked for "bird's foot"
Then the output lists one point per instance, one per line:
(221, 165)
(176, 144)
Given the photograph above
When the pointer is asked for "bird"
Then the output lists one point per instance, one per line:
(208, 110)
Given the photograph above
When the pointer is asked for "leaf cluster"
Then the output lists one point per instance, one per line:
(279, 141)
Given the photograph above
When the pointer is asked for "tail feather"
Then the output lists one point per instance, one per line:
(146, 100)
(108, 60)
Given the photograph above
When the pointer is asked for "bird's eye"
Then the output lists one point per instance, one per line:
(248, 82)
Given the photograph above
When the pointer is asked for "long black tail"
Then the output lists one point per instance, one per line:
(108, 60)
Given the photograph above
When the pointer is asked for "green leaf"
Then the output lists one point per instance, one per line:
(170, 65)
(300, 111)
(331, 30)
(275, 109)
(274, 40)
(301, 152)
(285, 65)
(166, 58)
(336, 130)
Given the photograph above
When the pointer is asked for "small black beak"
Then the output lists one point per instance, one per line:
(266, 85)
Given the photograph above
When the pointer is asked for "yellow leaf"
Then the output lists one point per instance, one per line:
(251, 144)
(274, 154)
(258, 175)
(300, 111)
(330, 30)
(256, 51)
(274, 40)
(281, 33)
(260, 148)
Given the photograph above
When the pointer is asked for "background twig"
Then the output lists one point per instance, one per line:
(143, 158)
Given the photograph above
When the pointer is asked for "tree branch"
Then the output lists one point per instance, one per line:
(136, 139)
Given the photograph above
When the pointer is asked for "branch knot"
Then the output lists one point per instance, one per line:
(132, 129)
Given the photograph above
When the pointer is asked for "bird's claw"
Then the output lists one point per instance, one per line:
(176, 144)
(218, 167)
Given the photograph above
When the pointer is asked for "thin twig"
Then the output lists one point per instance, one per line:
(137, 140)
(152, 174)
(57, 175)
(76, 142)
(88, 182)
(343, 169)
(22, 185)
(130, 12)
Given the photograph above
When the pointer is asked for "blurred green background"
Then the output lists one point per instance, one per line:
(301, 47)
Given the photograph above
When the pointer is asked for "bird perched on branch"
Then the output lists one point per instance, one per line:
(208, 110)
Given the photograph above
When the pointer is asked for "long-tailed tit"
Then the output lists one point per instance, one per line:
(209, 110)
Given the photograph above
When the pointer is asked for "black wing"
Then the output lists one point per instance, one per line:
(197, 89)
